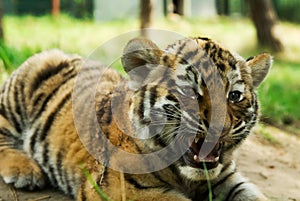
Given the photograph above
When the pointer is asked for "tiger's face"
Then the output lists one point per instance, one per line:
(197, 93)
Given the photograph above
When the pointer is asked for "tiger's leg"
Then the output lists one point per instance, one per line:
(234, 187)
(116, 189)
(242, 190)
(15, 166)
(90, 194)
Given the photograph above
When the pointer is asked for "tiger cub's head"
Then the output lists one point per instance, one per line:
(195, 97)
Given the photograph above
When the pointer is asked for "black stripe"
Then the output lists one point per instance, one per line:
(226, 166)
(158, 177)
(38, 99)
(104, 109)
(7, 133)
(2, 109)
(48, 98)
(232, 62)
(59, 159)
(22, 100)
(11, 115)
(45, 154)
(159, 141)
(67, 180)
(207, 47)
(53, 176)
(45, 162)
(140, 186)
(179, 50)
(166, 190)
(240, 130)
(222, 67)
(108, 116)
(224, 179)
(181, 77)
(238, 124)
(3, 88)
(175, 171)
(194, 72)
(153, 95)
(85, 83)
(234, 188)
(7, 144)
(141, 104)
(204, 38)
(45, 74)
(188, 56)
(52, 116)
(171, 97)
(171, 111)
(250, 58)
(165, 58)
(237, 193)
(17, 108)
(33, 139)
(83, 196)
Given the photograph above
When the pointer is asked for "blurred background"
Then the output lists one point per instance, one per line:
(245, 26)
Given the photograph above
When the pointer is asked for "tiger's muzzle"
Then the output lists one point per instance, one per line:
(195, 159)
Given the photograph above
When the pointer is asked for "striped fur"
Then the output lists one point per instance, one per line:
(171, 98)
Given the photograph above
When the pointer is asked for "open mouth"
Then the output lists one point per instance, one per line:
(193, 156)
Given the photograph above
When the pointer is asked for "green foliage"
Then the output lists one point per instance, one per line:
(287, 10)
(279, 94)
(12, 58)
(77, 8)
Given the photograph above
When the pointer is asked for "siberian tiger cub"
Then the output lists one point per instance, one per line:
(167, 132)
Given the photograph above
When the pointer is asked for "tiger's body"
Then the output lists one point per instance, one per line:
(39, 141)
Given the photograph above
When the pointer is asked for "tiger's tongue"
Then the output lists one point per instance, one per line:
(196, 147)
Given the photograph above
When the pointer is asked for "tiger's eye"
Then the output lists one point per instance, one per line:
(235, 96)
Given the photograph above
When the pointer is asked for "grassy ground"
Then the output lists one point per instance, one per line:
(280, 97)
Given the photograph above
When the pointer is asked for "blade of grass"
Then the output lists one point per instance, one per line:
(210, 198)
(4, 57)
(94, 184)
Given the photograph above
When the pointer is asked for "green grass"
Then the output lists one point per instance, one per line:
(103, 195)
(279, 94)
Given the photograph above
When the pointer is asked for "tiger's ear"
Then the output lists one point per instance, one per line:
(260, 66)
(140, 52)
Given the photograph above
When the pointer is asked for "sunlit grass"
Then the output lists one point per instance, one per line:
(279, 95)
(68, 34)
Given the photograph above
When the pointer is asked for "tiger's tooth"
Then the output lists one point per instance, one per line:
(196, 139)
(195, 157)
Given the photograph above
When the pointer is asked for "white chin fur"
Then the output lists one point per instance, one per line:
(196, 174)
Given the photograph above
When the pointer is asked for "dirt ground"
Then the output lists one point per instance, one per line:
(274, 167)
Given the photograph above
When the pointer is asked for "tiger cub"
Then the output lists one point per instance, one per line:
(166, 132)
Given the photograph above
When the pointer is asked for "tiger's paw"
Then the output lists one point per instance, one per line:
(21, 171)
